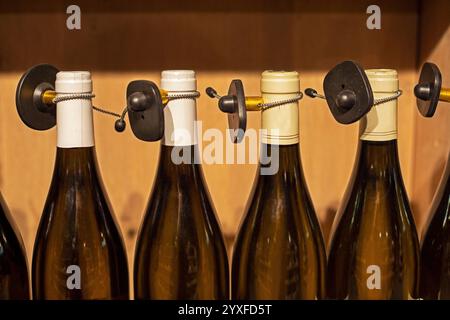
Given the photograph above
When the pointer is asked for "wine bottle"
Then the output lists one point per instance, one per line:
(78, 252)
(374, 251)
(180, 252)
(279, 251)
(13, 262)
(435, 254)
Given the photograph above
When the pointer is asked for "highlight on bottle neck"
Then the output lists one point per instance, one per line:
(380, 123)
(280, 124)
(74, 117)
(180, 115)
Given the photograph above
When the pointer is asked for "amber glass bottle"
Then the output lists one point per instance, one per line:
(78, 252)
(374, 246)
(180, 252)
(279, 251)
(13, 263)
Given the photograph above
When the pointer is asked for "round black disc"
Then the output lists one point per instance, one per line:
(429, 76)
(32, 111)
(237, 121)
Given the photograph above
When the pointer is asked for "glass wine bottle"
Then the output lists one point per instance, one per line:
(279, 251)
(435, 254)
(374, 251)
(79, 251)
(14, 283)
(180, 252)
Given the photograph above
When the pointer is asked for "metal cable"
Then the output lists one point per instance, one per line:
(111, 113)
(60, 97)
(269, 105)
(376, 101)
(387, 99)
(88, 96)
(72, 96)
(184, 95)
(318, 95)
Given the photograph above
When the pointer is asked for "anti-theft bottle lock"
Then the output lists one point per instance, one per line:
(236, 105)
(36, 100)
(145, 106)
(429, 90)
(348, 92)
(36, 97)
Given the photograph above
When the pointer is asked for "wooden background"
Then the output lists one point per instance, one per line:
(221, 40)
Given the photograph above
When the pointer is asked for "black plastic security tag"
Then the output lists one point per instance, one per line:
(348, 92)
(145, 110)
(237, 120)
(33, 83)
(428, 89)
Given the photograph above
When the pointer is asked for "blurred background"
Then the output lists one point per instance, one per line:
(120, 41)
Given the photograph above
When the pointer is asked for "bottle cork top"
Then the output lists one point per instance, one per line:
(73, 82)
(280, 82)
(383, 80)
(178, 80)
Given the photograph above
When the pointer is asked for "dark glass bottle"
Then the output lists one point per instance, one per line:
(374, 251)
(435, 258)
(279, 251)
(14, 283)
(180, 252)
(78, 251)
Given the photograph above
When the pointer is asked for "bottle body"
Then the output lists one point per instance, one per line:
(374, 251)
(279, 251)
(374, 248)
(79, 252)
(14, 283)
(435, 252)
(180, 253)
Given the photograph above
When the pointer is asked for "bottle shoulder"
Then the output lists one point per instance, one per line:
(77, 210)
(285, 191)
(438, 228)
(180, 196)
(439, 218)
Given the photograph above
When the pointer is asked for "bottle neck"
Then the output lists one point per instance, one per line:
(180, 125)
(378, 158)
(176, 162)
(380, 123)
(72, 163)
(378, 152)
(280, 160)
(74, 122)
(279, 125)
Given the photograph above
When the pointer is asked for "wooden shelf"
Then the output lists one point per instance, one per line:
(121, 41)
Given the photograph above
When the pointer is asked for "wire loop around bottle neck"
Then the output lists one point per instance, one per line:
(60, 97)
(395, 96)
(120, 122)
(314, 94)
(268, 105)
(182, 95)
(263, 106)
